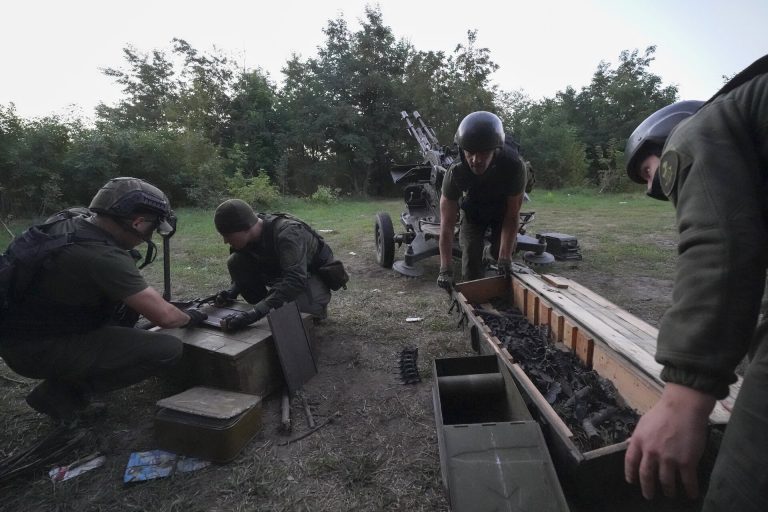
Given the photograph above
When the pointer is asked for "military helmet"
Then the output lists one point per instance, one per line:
(125, 197)
(653, 132)
(480, 131)
(234, 215)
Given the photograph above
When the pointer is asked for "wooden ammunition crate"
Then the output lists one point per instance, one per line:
(606, 338)
(245, 360)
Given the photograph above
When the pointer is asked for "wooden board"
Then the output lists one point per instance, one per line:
(293, 346)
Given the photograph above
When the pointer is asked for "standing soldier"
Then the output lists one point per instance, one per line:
(62, 329)
(488, 184)
(714, 168)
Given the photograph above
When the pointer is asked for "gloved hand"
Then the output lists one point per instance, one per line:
(504, 268)
(224, 297)
(235, 321)
(196, 317)
(445, 279)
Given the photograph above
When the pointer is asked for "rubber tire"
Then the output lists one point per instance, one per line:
(384, 237)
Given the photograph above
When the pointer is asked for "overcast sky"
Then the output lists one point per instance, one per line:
(52, 50)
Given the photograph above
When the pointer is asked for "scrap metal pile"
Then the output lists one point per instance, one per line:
(588, 403)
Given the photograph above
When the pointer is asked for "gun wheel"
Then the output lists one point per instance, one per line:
(384, 235)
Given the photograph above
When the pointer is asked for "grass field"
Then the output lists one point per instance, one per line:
(380, 452)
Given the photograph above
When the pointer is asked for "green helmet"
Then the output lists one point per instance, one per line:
(234, 215)
(480, 131)
(126, 197)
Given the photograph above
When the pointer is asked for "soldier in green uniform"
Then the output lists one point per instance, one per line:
(714, 168)
(274, 259)
(488, 185)
(63, 330)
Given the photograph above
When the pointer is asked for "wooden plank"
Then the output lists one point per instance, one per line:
(556, 281)
(557, 322)
(481, 290)
(600, 309)
(639, 393)
(584, 347)
(611, 319)
(545, 313)
(593, 324)
(519, 293)
(532, 309)
(569, 334)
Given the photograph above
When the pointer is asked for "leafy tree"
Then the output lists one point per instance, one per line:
(150, 88)
(255, 123)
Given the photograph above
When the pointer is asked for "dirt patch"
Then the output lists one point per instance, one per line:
(379, 452)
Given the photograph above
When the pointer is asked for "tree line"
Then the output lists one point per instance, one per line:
(201, 127)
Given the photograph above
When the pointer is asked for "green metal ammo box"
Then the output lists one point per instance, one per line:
(492, 453)
(211, 424)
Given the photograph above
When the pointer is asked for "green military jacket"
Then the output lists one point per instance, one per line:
(285, 253)
(714, 167)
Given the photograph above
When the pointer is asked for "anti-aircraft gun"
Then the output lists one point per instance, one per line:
(422, 184)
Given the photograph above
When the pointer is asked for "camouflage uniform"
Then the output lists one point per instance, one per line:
(715, 169)
(63, 331)
(483, 199)
(279, 267)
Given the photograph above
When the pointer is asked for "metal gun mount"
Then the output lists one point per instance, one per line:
(422, 184)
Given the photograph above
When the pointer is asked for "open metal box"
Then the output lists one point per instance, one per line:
(492, 453)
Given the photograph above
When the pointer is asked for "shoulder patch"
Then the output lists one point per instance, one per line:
(668, 168)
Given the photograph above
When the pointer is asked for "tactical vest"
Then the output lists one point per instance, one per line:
(28, 314)
(267, 256)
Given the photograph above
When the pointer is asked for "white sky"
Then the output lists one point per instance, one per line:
(51, 51)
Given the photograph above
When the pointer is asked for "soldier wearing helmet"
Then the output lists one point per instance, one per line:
(274, 259)
(488, 185)
(64, 330)
(714, 169)
(643, 150)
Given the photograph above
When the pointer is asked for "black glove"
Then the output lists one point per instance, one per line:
(224, 297)
(445, 279)
(504, 268)
(240, 319)
(196, 317)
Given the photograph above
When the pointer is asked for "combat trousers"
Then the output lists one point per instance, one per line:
(472, 241)
(740, 477)
(254, 286)
(76, 365)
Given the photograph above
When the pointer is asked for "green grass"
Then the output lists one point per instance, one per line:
(613, 230)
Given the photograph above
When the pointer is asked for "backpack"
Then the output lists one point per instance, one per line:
(30, 251)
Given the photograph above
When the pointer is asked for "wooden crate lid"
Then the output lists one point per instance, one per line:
(210, 402)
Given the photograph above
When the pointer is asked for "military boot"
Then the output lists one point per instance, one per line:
(58, 401)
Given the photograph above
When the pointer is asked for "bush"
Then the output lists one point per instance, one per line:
(325, 195)
(257, 191)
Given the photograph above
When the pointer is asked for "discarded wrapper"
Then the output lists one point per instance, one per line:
(77, 468)
(414, 319)
(159, 464)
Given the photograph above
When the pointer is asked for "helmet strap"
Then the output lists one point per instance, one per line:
(656, 192)
(150, 255)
